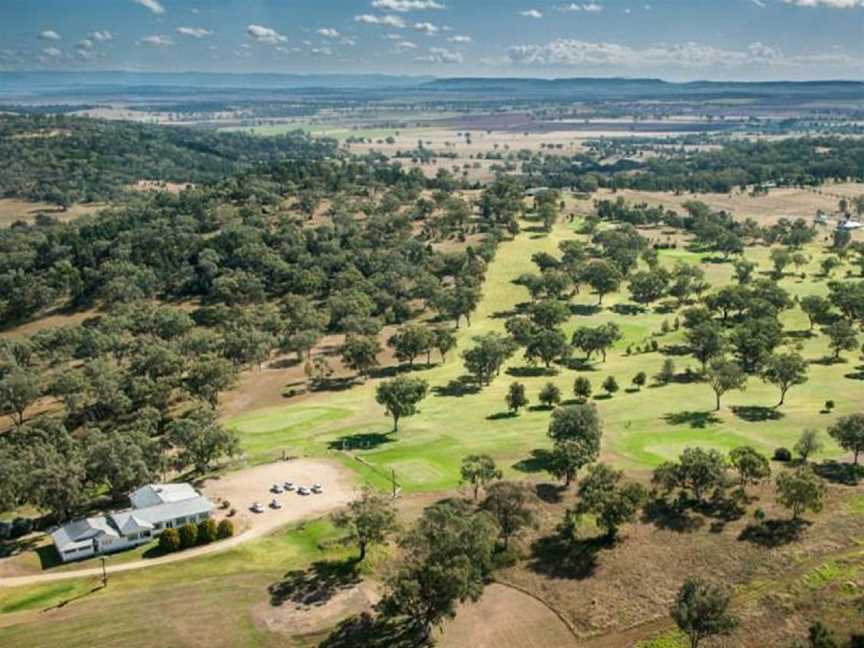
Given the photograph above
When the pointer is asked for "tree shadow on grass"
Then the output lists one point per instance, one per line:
(530, 372)
(550, 493)
(858, 374)
(578, 364)
(671, 516)
(773, 533)
(555, 556)
(366, 631)
(498, 416)
(757, 413)
(462, 386)
(675, 350)
(839, 473)
(315, 586)
(585, 310)
(696, 420)
(539, 461)
(361, 441)
(627, 309)
(333, 384)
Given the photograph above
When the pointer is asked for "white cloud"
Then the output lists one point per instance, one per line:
(152, 5)
(49, 34)
(322, 51)
(194, 32)
(102, 36)
(328, 32)
(52, 52)
(388, 20)
(266, 35)
(460, 39)
(532, 13)
(85, 44)
(407, 5)
(759, 3)
(832, 4)
(570, 53)
(405, 45)
(426, 28)
(156, 41)
(591, 7)
(440, 55)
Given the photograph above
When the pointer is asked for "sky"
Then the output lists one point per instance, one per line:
(671, 39)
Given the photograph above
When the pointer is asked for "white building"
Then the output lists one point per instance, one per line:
(154, 508)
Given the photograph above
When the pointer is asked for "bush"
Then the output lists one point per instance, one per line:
(225, 529)
(169, 541)
(759, 514)
(782, 454)
(188, 535)
(206, 531)
(829, 405)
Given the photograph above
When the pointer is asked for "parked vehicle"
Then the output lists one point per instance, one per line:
(257, 508)
(276, 488)
(289, 486)
(303, 490)
(317, 489)
(275, 504)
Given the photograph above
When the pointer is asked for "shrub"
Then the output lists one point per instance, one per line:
(782, 454)
(169, 541)
(206, 531)
(188, 535)
(759, 514)
(829, 405)
(225, 529)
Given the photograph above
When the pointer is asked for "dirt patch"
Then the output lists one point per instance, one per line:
(308, 617)
(245, 487)
(505, 617)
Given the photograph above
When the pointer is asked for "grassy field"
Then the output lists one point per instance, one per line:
(642, 428)
(211, 598)
(13, 209)
(223, 599)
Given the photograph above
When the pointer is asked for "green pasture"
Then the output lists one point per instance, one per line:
(213, 596)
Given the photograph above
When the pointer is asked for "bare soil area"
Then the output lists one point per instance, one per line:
(505, 618)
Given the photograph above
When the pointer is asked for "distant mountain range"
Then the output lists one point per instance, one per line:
(42, 86)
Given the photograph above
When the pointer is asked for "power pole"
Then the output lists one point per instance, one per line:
(104, 573)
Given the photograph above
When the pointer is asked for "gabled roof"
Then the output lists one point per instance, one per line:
(173, 510)
(156, 494)
(81, 532)
(129, 522)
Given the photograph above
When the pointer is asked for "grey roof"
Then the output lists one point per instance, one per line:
(173, 510)
(81, 532)
(130, 522)
(155, 494)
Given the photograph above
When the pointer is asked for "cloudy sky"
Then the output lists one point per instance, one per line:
(673, 39)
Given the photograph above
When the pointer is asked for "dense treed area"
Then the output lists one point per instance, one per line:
(789, 162)
(64, 160)
(132, 391)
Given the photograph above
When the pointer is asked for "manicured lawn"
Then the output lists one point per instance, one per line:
(641, 428)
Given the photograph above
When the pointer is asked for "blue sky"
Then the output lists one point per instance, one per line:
(673, 39)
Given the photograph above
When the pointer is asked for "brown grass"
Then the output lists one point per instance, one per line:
(14, 209)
